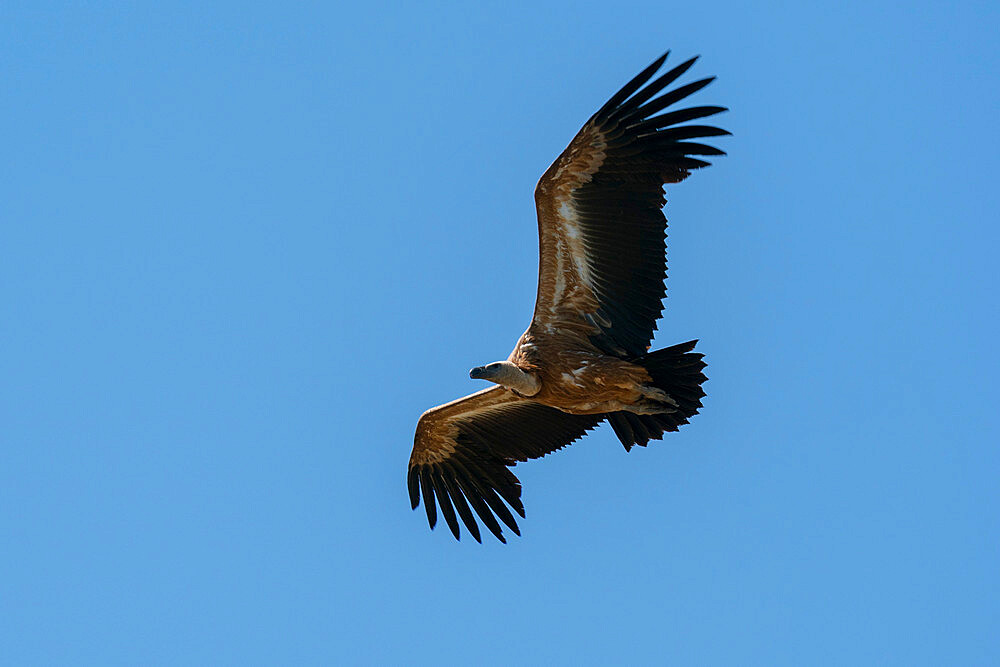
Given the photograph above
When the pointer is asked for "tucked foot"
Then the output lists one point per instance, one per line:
(657, 396)
(653, 402)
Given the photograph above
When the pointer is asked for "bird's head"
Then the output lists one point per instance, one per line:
(508, 375)
(492, 372)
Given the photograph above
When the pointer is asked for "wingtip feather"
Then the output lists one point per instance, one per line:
(631, 87)
(413, 486)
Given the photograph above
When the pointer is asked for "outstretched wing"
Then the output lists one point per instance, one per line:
(462, 451)
(602, 235)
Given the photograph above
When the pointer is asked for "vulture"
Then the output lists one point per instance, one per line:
(585, 357)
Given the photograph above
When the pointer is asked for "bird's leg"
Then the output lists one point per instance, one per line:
(653, 401)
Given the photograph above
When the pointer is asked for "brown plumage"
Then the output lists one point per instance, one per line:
(584, 358)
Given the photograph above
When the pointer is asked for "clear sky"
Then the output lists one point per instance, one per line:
(244, 245)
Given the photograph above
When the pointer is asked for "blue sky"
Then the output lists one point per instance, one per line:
(244, 247)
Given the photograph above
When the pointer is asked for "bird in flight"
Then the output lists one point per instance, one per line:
(585, 357)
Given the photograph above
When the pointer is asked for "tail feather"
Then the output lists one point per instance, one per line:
(677, 371)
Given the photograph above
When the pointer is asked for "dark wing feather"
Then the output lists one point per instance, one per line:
(602, 233)
(463, 450)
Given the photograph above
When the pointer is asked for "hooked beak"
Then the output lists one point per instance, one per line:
(477, 373)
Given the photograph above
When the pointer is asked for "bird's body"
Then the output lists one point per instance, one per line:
(578, 381)
(585, 356)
